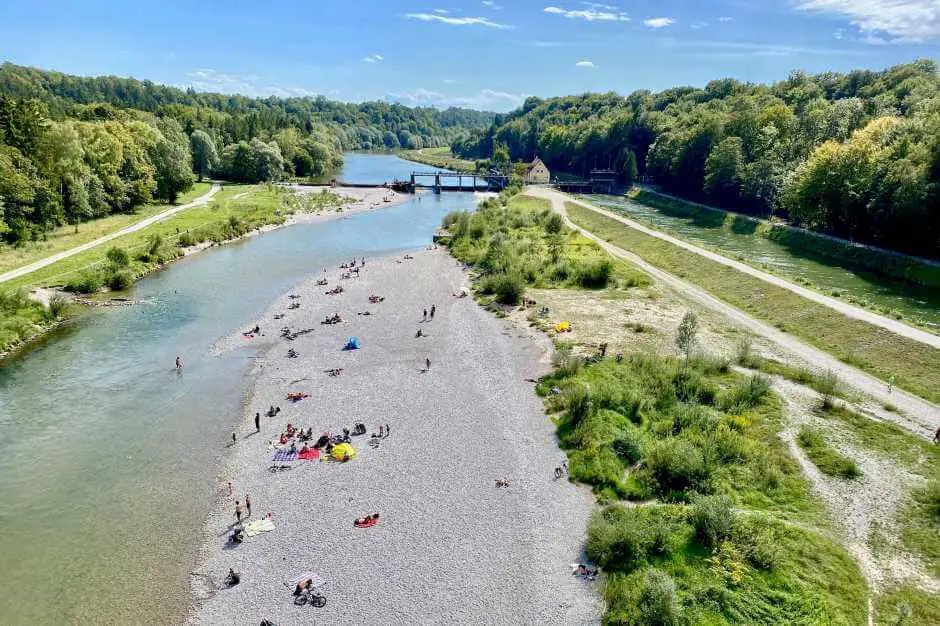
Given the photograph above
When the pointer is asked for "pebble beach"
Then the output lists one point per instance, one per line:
(451, 547)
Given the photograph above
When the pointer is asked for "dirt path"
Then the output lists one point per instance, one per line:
(844, 308)
(153, 219)
(915, 414)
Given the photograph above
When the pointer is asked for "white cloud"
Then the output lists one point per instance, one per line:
(442, 11)
(659, 22)
(208, 79)
(492, 5)
(725, 19)
(585, 64)
(592, 13)
(456, 21)
(698, 25)
(905, 21)
(373, 58)
(485, 99)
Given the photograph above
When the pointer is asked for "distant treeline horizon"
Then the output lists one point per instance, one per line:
(855, 155)
(76, 148)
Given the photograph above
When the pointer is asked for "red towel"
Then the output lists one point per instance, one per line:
(310, 455)
(368, 524)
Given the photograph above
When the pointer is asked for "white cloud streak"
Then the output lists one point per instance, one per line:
(456, 21)
(485, 99)
(905, 21)
(207, 79)
(659, 22)
(591, 14)
(585, 64)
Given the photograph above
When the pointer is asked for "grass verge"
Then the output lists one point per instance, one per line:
(829, 460)
(879, 352)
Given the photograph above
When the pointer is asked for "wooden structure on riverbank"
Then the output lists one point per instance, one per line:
(601, 181)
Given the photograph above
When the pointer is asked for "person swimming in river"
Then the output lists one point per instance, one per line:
(179, 363)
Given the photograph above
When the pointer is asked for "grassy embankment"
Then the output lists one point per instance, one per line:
(121, 261)
(874, 350)
(439, 157)
(68, 236)
(721, 531)
(882, 263)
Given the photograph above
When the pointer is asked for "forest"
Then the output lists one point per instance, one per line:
(855, 155)
(77, 148)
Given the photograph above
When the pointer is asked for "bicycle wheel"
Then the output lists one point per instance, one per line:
(318, 601)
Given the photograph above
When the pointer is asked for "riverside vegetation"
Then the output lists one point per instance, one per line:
(234, 212)
(705, 516)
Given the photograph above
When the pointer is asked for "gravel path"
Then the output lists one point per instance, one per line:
(849, 310)
(450, 547)
(916, 414)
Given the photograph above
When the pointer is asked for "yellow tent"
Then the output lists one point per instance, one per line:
(562, 327)
(343, 449)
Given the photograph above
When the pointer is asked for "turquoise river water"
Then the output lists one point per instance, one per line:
(914, 302)
(108, 457)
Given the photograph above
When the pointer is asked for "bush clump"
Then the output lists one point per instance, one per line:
(829, 460)
(677, 465)
(87, 281)
(712, 517)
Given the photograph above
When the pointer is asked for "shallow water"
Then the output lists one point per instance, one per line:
(108, 457)
(914, 302)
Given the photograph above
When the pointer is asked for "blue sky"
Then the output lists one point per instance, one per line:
(483, 54)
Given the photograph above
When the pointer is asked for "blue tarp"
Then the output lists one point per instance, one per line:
(352, 343)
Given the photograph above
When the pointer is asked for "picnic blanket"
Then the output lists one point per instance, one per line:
(310, 455)
(258, 526)
(284, 455)
(293, 581)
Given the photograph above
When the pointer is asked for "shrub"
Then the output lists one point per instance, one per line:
(930, 496)
(118, 257)
(745, 356)
(119, 279)
(554, 223)
(594, 274)
(627, 446)
(58, 305)
(758, 541)
(691, 386)
(565, 362)
(614, 541)
(578, 403)
(508, 288)
(88, 281)
(712, 518)
(186, 240)
(828, 387)
(747, 394)
(677, 465)
(657, 602)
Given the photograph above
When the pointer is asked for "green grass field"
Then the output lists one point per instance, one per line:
(870, 348)
(69, 236)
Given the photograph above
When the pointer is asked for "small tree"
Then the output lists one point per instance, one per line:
(828, 387)
(687, 335)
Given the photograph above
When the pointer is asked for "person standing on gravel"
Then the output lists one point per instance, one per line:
(257, 422)
(424, 317)
(238, 511)
(433, 309)
(248, 504)
(427, 364)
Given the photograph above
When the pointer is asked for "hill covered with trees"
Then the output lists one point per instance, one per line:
(855, 155)
(74, 148)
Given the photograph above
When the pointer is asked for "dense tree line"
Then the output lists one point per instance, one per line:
(856, 155)
(75, 148)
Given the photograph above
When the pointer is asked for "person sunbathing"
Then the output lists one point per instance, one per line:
(283, 439)
(293, 448)
(233, 578)
(305, 449)
(367, 521)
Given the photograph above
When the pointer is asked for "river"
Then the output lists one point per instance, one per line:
(108, 457)
(918, 303)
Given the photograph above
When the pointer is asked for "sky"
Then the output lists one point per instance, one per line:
(488, 54)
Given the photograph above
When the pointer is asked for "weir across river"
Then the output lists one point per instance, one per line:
(439, 181)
